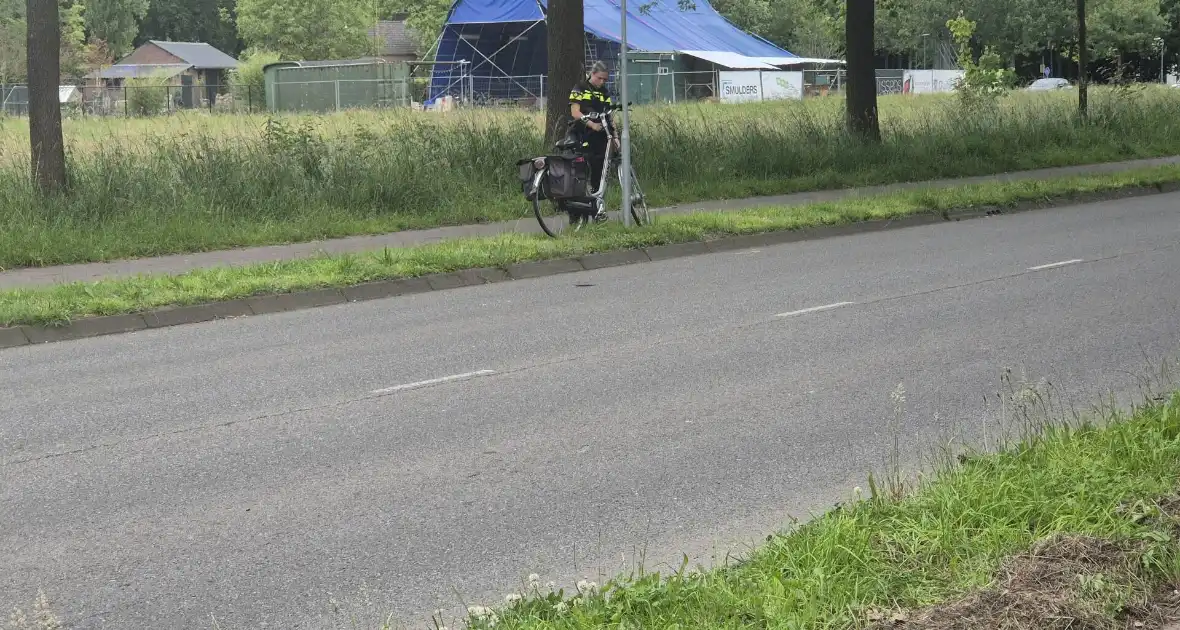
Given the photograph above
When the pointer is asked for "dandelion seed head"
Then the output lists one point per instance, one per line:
(898, 395)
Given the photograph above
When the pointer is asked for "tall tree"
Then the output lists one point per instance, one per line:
(45, 134)
(307, 29)
(1010, 27)
(209, 21)
(74, 51)
(13, 55)
(1118, 27)
(115, 22)
(566, 38)
(861, 100)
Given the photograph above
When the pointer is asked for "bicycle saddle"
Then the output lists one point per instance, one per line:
(568, 143)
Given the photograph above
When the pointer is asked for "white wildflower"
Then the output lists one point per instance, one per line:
(560, 607)
(18, 619)
(534, 578)
(898, 395)
(512, 598)
(479, 612)
(586, 586)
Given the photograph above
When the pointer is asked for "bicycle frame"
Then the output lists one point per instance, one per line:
(591, 208)
(597, 199)
(608, 125)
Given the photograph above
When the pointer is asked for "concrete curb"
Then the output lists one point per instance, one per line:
(285, 302)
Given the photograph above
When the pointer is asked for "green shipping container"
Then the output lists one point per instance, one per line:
(651, 77)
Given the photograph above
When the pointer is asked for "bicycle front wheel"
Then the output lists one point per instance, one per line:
(639, 210)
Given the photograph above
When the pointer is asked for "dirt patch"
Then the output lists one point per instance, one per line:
(1063, 583)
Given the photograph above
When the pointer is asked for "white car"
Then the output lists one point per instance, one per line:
(1050, 84)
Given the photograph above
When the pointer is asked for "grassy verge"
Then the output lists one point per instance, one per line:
(61, 303)
(1074, 526)
(200, 182)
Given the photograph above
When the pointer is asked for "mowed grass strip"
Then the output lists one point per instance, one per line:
(62, 303)
(1074, 526)
(198, 182)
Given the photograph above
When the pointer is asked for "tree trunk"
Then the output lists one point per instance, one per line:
(566, 36)
(861, 100)
(44, 61)
(1083, 61)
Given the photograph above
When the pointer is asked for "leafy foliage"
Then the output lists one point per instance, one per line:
(984, 80)
(147, 96)
(424, 18)
(115, 22)
(247, 82)
(1121, 26)
(307, 29)
(12, 47)
(211, 21)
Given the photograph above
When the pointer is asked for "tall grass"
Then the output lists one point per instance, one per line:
(198, 182)
(1103, 483)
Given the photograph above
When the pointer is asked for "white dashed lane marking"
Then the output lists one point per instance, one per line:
(1056, 264)
(433, 381)
(815, 309)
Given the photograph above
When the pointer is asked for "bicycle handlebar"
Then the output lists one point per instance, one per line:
(609, 109)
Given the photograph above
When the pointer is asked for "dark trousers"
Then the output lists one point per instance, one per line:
(595, 151)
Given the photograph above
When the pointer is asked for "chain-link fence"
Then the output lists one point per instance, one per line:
(161, 100)
(337, 95)
(421, 91)
(140, 100)
(14, 100)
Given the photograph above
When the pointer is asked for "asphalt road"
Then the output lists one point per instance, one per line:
(246, 472)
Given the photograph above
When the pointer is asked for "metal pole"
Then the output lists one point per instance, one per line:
(625, 178)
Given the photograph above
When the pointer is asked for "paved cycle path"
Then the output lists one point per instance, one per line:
(181, 263)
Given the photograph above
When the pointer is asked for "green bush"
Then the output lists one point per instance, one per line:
(247, 81)
(984, 80)
(147, 96)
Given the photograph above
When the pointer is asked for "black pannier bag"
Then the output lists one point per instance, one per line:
(569, 177)
(528, 172)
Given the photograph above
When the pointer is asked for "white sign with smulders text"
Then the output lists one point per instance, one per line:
(740, 87)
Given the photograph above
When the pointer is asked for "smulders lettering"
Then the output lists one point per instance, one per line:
(740, 90)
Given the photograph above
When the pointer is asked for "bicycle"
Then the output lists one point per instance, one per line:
(580, 209)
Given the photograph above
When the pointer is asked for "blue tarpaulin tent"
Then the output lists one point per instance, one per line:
(504, 41)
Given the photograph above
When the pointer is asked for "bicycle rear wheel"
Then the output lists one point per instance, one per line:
(549, 216)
